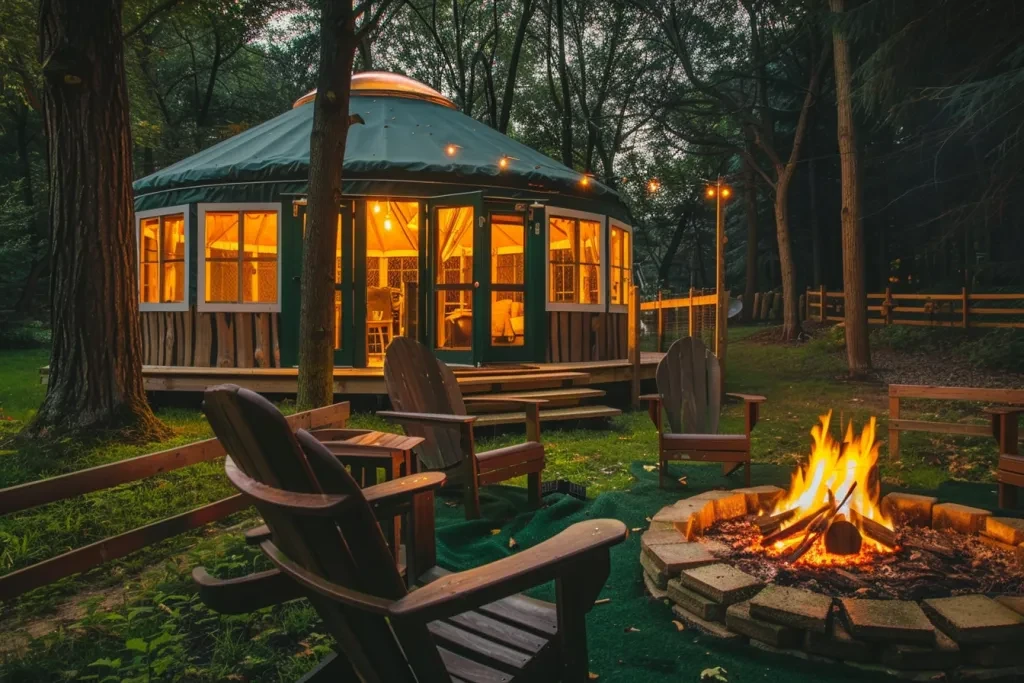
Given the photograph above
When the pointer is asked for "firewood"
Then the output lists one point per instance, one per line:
(940, 551)
(874, 530)
(820, 525)
(770, 523)
(842, 538)
(795, 528)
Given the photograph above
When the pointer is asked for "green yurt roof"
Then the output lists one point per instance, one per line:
(411, 133)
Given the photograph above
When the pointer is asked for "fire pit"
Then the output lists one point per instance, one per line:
(829, 569)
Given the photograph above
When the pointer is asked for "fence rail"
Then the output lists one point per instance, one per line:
(963, 309)
(33, 494)
(668, 318)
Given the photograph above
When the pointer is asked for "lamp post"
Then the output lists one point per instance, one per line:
(721, 193)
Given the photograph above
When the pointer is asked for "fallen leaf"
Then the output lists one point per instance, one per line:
(592, 676)
(451, 503)
(602, 601)
(512, 543)
(637, 528)
(650, 468)
(682, 480)
(716, 673)
(631, 629)
(679, 625)
(495, 532)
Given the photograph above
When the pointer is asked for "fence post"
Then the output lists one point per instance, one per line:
(821, 302)
(965, 305)
(661, 324)
(887, 306)
(690, 325)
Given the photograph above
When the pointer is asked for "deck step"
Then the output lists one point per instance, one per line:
(549, 415)
(556, 398)
(499, 383)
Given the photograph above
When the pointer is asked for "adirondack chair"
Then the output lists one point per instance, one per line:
(428, 403)
(690, 395)
(323, 537)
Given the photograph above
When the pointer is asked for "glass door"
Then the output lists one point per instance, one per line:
(505, 288)
(344, 330)
(456, 276)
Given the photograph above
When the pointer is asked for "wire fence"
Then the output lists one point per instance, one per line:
(672, 316)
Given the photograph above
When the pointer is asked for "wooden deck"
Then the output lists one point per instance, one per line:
(571, 390)
(519, 378)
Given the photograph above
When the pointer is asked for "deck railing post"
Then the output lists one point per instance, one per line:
(633, 332)
(965, 306)
(661, 324)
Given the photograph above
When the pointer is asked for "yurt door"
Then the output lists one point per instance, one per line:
(457, 236)
(504, 309)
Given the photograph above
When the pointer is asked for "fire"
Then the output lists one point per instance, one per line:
(833, 470)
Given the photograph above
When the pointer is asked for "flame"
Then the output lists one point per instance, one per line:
(834, 468)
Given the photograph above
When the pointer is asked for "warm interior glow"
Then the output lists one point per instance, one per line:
(241, 256)
(835, 467)
(454, 277)
(376, 207)
(392, 265)
(508, 278)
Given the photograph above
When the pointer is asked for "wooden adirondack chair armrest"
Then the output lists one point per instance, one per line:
(437, 419)
(1003, 410)
(317, 584)
(308, 504)
(403, 489)
(751, 405)
(462, 591)
(748, 398)
(530, 405)
(246, 593)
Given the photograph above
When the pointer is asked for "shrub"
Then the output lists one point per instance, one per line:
(997, 350)
(24, 334)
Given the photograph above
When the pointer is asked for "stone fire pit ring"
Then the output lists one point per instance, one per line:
(971, 637)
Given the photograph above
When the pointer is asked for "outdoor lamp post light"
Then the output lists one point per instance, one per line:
(721, 193)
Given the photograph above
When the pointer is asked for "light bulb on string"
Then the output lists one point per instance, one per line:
(387, 223)
(376, 207)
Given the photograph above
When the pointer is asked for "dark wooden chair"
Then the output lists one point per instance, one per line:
(427, 402)
(324, 539)
(690, 395)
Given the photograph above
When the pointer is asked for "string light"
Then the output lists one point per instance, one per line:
(653, 185)
(376, 207)
(585, 181)
(450, 150)
(726, 192)
(503, 163)
(387, 223)
(711, 192)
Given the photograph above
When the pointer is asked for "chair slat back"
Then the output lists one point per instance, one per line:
(349, 549)
(418, 382)
(689, 382)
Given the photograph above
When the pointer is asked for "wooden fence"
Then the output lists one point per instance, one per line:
(54, 489)
(961, 310)
(675, 317)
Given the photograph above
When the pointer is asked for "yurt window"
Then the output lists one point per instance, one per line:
(574, 260)
(239, 266)
(621, 264)
(163, 259)
(508, 279)
(392, 273)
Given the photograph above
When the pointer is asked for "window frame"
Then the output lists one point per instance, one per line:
(144, 306)
(602, 289)
(221, 307)
(628, 229)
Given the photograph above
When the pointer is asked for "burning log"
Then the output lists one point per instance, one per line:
(874, 530)
(820, 525)
(769, 524)
(796, 527)
(842, 538)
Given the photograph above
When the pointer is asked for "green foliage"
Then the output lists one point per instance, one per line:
(997, 350)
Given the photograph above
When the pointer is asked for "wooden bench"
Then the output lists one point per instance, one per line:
(1003, 419)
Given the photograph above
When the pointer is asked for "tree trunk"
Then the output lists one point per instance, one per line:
(812, 216)
(563, 77)
(790, 297)
(513, 66)
(95, 378)
(326, 152)
(665, 267)
(750, 200)
(856, 306)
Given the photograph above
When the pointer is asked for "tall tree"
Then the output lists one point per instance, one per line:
(855, 308)
(750, 204)
(343, 26)
(95, 379)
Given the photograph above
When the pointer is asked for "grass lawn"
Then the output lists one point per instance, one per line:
(140, 615)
